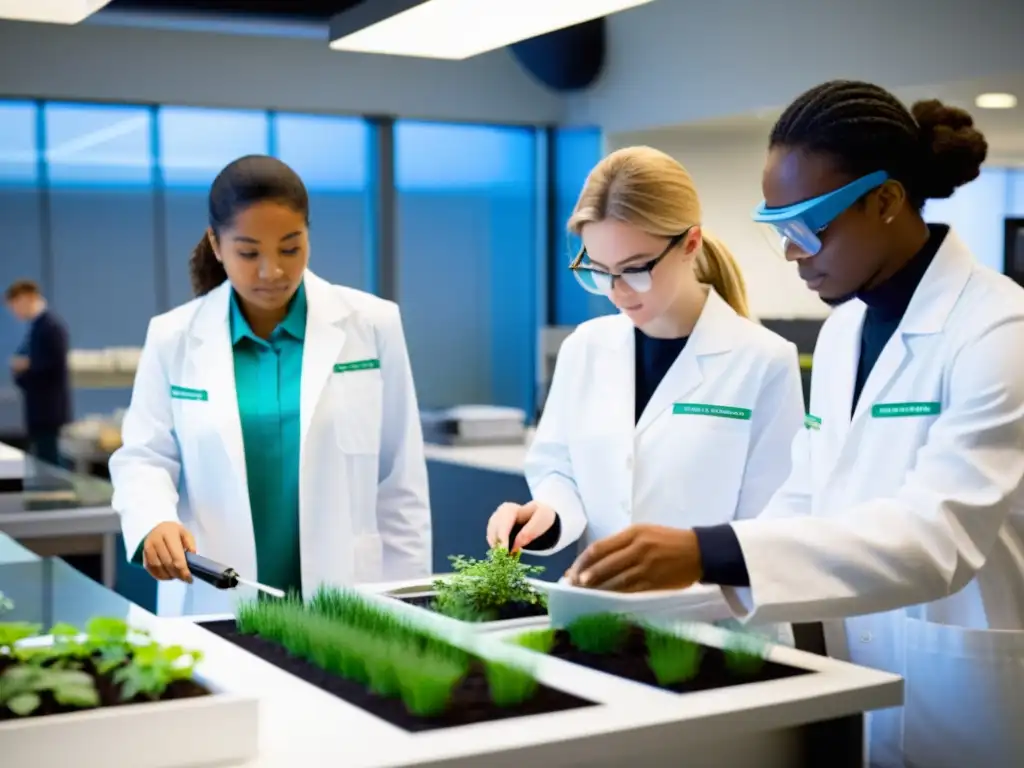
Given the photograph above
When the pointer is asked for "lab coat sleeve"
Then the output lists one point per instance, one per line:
(778, 417)
(146, 468)
(548, 465)
(930, 538)
(403, 499)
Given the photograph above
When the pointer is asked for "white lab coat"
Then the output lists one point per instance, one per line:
(914, 510)
(363, 500)
(602, 471)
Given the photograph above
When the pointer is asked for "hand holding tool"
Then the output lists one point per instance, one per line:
(221, 576)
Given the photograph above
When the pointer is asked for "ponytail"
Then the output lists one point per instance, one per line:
(204, 268)
(717, 267)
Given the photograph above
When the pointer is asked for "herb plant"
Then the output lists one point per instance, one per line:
(672, 659)
(478, 589)
(600, 633)
(69, 667)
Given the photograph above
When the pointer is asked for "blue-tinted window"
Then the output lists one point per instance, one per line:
(577, 151)
(332, 155)
(19, 158)
(194, 145)
(467, 251)
(1015, 192)
(95, 145)
(21, 255)
(101, 195)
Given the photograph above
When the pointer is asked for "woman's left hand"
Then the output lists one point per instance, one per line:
(638, 559)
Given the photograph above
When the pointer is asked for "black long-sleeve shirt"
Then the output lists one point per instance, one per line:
(45, 385)
(720, 551)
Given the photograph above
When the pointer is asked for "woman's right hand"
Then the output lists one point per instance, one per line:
(536, 519)
(163, 552)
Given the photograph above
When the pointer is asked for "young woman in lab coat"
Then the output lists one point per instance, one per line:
(903, 518)
(678, 410)
(273, 425)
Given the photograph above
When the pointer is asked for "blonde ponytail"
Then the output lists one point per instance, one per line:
(717, 267)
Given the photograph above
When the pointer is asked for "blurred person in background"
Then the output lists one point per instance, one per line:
(39, 369)
(273, 424)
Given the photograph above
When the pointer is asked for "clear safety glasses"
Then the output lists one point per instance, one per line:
(803, 223)
(600, 282)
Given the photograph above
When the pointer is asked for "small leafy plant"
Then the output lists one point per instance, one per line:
(672, 659)
(600, 633)
(480, 588)
(67, 670)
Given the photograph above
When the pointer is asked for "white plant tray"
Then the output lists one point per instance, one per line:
(395, 590)
(700, 602)
(12, 463)
(164, 734)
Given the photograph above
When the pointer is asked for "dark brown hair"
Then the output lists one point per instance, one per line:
(244, 182)
(22, 288)
(931, 149)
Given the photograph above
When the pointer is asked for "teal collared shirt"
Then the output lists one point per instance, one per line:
(268, 376)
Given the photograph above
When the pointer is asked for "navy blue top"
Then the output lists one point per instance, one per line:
(652, 359)
(720, 551)
(46, 385)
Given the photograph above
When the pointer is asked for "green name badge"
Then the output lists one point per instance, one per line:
(811, 421)
(702, 409)
(903, 410)
(357, 365)
(185, 393)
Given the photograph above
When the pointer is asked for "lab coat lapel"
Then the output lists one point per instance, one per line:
(711, 335)
(212, 361)
(931, 304)
(325, 337)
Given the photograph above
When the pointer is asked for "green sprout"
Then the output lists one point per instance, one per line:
(600, 633)
(344, 634)
(16, 631)
(745, 654)
(539, 640)
(509, 685)
(153, 667)
(478, 589)
(672, 659)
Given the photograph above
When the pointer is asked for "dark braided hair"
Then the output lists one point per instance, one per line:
(243, 182)
(930, 149)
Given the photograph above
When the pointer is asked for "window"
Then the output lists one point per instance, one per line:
(977, 212)
(332, 155)
(467, 261)
(20, 210)
(194, 145)
(577, 151)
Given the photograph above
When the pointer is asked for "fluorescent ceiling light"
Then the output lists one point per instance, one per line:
(51, 11)
(458, 29)
(996, 101)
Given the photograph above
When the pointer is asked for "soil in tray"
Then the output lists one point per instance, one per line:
(507, 612)
(630, 662)
(109, 692)
(471, 699)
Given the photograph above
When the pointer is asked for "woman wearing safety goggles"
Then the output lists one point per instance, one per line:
(902, 524)
(677, 411)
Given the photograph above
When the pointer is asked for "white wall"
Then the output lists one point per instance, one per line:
(726, 165)
(672, 62)
(97, 62)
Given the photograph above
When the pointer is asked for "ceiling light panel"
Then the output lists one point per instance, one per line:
(996, 101)
(459, 29)
(50, 11)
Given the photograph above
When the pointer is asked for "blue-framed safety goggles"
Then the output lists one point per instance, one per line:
(802, 223)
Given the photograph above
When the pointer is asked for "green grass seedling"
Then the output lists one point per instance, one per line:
(745, 654)
(600, 633)
(539, 640)
(672, 659)
(509, 685)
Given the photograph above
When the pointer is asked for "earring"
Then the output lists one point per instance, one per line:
(889, 220)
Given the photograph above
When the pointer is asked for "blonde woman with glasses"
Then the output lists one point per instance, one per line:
(678, 411)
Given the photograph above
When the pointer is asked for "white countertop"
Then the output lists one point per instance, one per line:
(509, 459)
(302, 725)
(12, 463)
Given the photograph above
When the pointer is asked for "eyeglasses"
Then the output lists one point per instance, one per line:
(638, 278)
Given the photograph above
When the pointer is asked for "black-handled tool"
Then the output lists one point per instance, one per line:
(221, 576)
